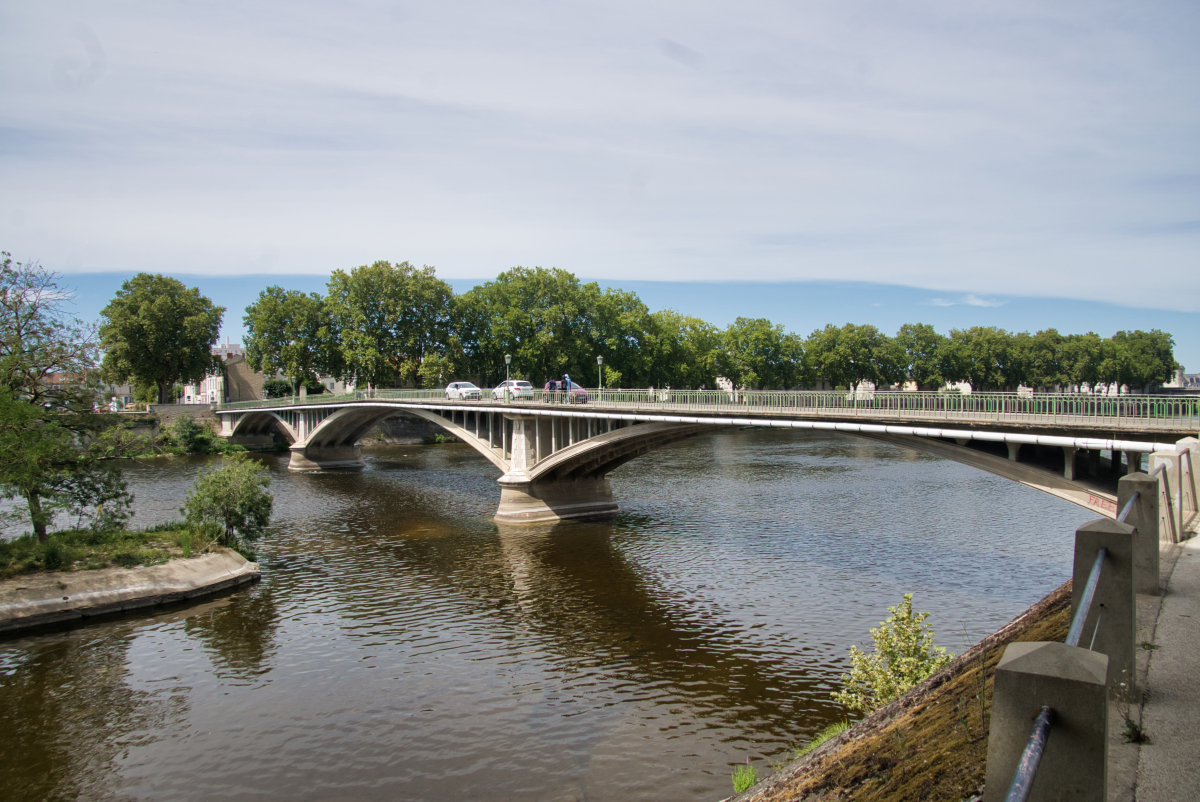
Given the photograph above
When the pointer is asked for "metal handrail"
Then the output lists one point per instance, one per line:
(1085, 600)
(1154, 412)
(1027, 766)
(1124, 513)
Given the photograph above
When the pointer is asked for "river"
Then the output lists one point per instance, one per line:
(402, 646)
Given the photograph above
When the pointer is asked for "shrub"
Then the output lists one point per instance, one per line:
(904, 655)
(231, 502)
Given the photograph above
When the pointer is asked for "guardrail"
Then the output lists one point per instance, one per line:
(1064, 682)
(1147, 412)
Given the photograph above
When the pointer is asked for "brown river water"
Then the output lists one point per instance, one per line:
(402, 646)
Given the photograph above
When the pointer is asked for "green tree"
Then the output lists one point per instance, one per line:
(988, 357)
(904, 655)
(53, 448)
(231, 502)
(1048, 360)
(389, 318)
(538, 316)
(291, 333)
(758, 354)
(924, 354)
(158, 331)
(685, 351)
(1082, 357)
(853, 354)
(1138, 359)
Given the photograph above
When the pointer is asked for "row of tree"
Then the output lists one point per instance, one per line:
(389, 325)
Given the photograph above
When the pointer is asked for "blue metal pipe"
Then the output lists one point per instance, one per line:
(1031, 757)
(1085, 601)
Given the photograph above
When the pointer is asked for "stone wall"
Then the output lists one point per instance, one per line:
(201, 413)
(242, 383)
(401, 429)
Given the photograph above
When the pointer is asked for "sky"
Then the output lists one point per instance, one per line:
(1014, 163)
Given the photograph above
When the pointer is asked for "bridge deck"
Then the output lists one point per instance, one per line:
(1080, 413)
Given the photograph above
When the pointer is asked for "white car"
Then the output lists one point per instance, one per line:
(517, 389)
(462, 391)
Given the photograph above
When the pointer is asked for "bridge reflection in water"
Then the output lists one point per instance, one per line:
(555, 460)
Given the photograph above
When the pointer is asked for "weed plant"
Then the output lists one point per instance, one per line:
(744, 776)
(86, 549)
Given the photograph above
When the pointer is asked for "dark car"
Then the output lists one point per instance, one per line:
(577, 394)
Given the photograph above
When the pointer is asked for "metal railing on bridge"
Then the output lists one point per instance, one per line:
(1131, 411)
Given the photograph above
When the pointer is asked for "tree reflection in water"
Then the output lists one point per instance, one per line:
(238, 633)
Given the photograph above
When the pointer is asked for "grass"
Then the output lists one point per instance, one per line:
(931, 744)
(832, 731)
(80, 550)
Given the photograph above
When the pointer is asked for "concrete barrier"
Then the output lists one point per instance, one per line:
(1110, 626)
(1145, 518)
(1073, 683)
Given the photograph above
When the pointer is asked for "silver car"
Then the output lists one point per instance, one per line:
(463, 391)
(517, 389)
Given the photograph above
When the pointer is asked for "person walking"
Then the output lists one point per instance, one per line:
(566, 388)
(552, 391)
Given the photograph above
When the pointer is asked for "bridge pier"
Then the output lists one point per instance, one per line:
(525, 500)
(309, 459)
(531, 502)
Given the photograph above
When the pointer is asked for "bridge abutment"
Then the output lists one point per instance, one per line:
(309, 459)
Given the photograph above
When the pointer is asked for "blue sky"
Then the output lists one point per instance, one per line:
(800, 306)
(893, 153)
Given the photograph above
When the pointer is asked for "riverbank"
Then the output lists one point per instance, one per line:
(53, 597)
(931, 743)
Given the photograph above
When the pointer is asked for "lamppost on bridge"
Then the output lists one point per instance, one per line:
(507, 386)
(600, 372)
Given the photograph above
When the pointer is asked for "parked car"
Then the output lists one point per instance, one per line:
(463, 391)
(576, 395)
(517, 389)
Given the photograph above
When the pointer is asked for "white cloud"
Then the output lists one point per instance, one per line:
(1015, 148)
(970, 299)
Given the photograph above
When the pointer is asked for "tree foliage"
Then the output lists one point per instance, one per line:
(231, 501)
(292, 333)
(156, 331)
(904, 655)
(388, 319)
(53, 447)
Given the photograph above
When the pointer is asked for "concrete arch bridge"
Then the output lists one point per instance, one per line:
(555, 459)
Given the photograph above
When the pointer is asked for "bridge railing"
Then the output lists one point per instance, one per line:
(1166, 412)
(1073, 681)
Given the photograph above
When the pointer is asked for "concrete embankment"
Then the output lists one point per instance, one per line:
(929, 744)
(54, 597)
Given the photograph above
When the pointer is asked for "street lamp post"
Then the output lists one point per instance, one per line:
(600, 371)
(507, 386)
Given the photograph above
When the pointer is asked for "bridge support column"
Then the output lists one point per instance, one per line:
(525, 501)
(1133, 460)
(325, 458)
(1014, 451)
(1069, 462)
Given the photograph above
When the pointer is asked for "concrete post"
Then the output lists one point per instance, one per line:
(1113, 614)
(1014, 451)
(1133, 461)
(1071, 681)
(1069, 461)
(1094, 462)
(1143, 517)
